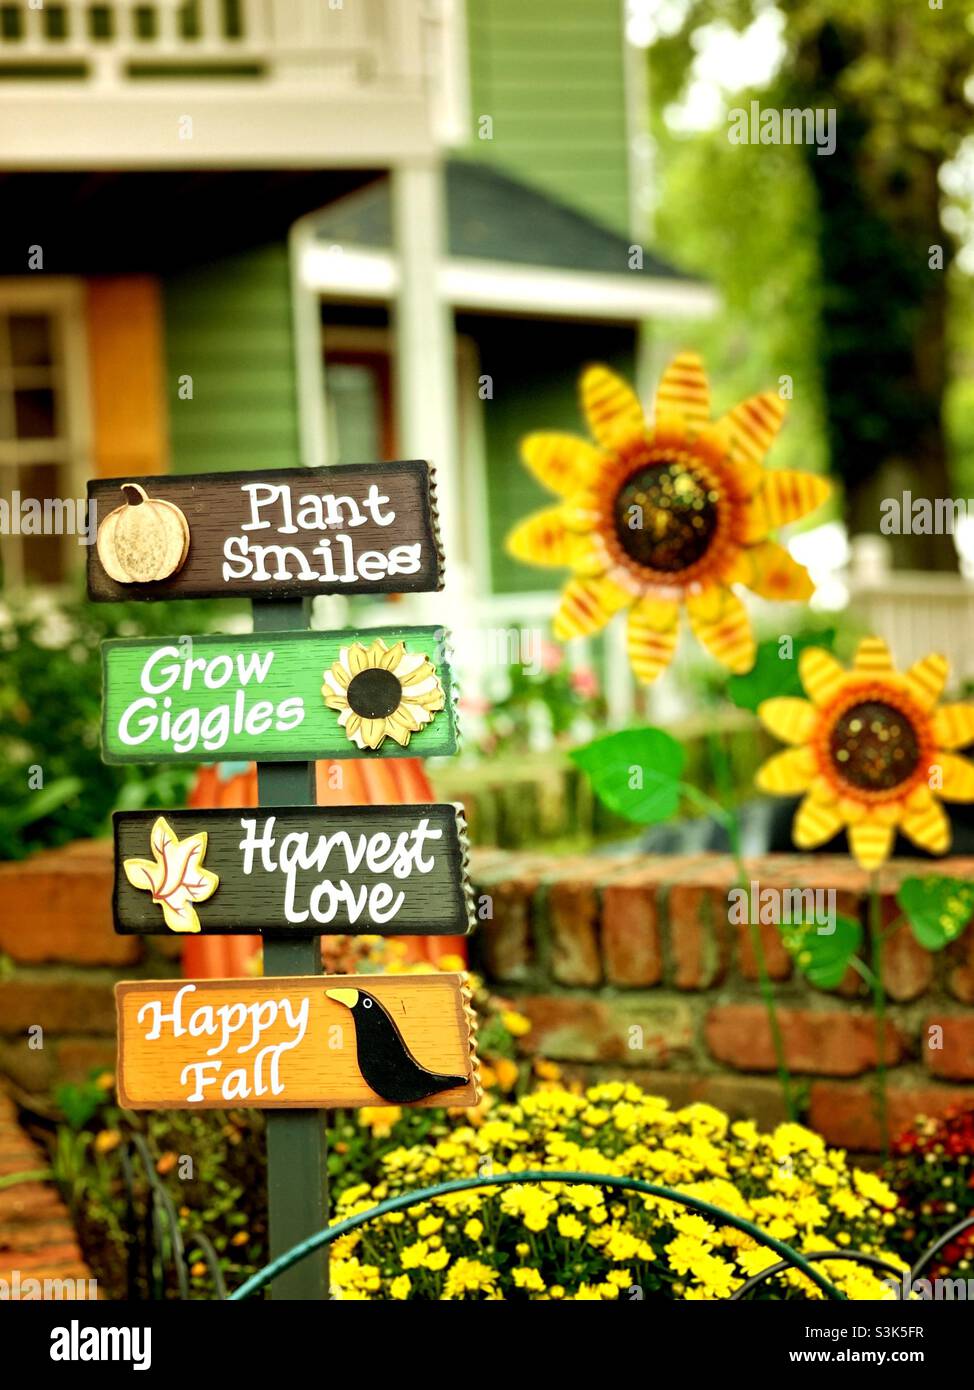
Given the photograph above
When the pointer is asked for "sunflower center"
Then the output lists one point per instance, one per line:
(374, 694)
(666, 516)
(874, 746)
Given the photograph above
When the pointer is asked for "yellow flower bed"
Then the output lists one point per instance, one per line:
(561, 1241)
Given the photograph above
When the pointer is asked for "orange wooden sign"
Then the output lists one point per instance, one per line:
(296, 1041)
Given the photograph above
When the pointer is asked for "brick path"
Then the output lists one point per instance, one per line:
(36, 1235)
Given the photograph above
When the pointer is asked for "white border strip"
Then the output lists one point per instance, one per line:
(502, 287)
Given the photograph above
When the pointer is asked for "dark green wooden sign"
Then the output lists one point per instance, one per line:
(386, 870)
(280, 697)
(352, 529)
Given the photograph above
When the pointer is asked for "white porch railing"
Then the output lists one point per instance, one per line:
(322, 83)
(273, 40)
(917, 613)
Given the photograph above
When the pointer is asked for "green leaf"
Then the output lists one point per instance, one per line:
(823, 957)
(636, 773)
(773, 675)
(938, 908)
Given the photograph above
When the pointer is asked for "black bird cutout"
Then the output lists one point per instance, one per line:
(383, 1057)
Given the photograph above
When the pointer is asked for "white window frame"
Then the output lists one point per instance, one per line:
(63, 299)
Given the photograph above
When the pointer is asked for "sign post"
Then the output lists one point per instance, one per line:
(294, 1043)
(297, 1145)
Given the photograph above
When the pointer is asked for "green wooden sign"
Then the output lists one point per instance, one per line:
(280, 697)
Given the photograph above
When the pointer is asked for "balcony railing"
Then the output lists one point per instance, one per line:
(341, 81)
(112, 43)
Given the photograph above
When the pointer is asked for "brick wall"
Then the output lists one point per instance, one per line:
(631, 967)
(59, 959)
(625, 966)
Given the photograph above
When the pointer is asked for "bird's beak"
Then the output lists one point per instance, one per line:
(348, 997)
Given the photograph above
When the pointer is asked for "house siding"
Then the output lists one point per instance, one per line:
(534, 369)
(228, 327)
(551, 75)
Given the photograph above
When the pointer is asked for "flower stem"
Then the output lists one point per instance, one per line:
(879, 1008)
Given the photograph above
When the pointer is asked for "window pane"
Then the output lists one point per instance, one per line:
(30, 340)
(42, 556)
(34, 414)
(353, 395)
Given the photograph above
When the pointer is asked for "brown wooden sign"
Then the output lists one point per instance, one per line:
(296, 1042)
(380, 870)
(351, 529)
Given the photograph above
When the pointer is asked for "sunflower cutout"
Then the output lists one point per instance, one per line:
(869, 748)
(653, 517)
(382, 692)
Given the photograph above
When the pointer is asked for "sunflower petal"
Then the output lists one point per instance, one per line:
(786, 495)
(390, 659)
(788, 772)
(953, 726)
(820, 673)
(721, 624)
(683, 390)
(562, 463)
(926, 679)
(871, 842)
(815, 823)
(417, 676)
(873, 657)
(373, 732)
(651, 637)
(927, 826)
(544, 539)
(746, 433)
(957, 776)
(400, 730)
(611, 406)
(789, 718)
(775, 575)
(586, 606)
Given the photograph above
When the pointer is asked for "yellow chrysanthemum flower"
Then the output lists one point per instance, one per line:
(869, 747)
(653, 517)
(469, 1276)
(570, 1227)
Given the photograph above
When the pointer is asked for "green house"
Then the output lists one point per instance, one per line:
(303, 233)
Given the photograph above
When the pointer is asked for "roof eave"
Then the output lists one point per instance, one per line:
(360, 273)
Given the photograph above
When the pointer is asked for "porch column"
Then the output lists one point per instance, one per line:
(425, 348)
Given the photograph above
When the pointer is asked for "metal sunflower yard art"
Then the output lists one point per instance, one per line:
(382, 692)
(655, 516)
(871, 750)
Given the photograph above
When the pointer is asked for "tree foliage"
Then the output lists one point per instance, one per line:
(830, 262)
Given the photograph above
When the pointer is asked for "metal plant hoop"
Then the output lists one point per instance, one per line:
(789, 1258)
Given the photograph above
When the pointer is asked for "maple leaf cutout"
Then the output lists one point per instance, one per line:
(175, 877)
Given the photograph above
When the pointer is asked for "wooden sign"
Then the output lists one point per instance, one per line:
(280, 697)
(296, 1041)
(382, 870)
(352, 529)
